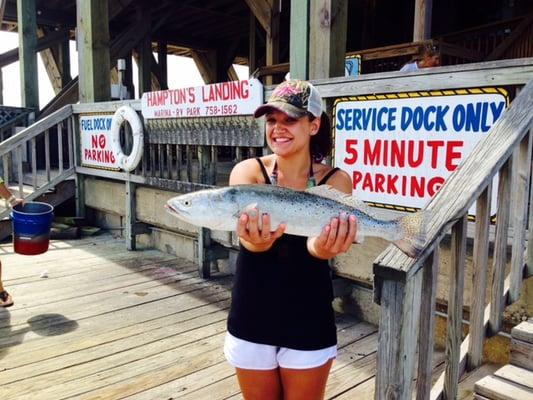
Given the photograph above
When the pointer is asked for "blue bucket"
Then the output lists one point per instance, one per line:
(31, 227)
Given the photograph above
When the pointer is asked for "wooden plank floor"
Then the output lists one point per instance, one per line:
(111, 324)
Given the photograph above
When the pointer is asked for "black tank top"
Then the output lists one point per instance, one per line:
(282, 297)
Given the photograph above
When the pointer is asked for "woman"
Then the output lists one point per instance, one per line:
(430, 58)
(281, 330)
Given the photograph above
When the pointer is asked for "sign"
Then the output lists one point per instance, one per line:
(96, 151)
(216, 100)
(352, 65)
(400, 148)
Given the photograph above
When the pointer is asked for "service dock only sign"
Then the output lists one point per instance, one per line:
(96, 151)
(216, 100)
(400, 148)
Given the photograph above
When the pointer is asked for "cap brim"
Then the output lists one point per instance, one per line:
(286, 108)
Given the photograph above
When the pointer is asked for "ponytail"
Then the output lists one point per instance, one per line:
(321, 143)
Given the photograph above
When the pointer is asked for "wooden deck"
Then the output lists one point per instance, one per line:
(113, 324)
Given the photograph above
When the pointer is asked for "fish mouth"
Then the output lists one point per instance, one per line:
(174, 210)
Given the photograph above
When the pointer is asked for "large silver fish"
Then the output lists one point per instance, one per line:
(305, 213)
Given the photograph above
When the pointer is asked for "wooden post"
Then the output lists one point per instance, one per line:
(427, 326)
(128, 75)
(398, 333)
(422, 20)
(64, 61)
(145, 63)
(93, 50)
(252, 49)
(500, 247)
(479, 279)
(327, 38)
(129, 218)
(520, 185)
(529, 265)
(27, 28)
(272, 38)
(455, 309)
(299, 38)
(94, 70)
(163, 66)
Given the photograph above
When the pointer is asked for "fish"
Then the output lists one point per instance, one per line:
(305, 213)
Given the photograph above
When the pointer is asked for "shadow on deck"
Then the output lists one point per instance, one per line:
(113, 324)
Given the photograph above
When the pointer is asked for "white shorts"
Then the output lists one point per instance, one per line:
(248, 355)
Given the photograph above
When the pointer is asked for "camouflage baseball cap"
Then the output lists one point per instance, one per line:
(294, 98)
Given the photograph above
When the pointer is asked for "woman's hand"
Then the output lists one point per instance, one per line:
(335, 238)
(254, 236)
(16, 201)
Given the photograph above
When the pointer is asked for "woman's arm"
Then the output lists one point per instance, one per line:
(338, 236)
(7, 195)
(254, 236)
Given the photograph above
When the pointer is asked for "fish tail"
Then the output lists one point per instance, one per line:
(413, 232)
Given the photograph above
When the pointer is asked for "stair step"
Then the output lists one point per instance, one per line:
(496, 388)
(522, 345)
(522, 354)
(517, 375)
(524, 331)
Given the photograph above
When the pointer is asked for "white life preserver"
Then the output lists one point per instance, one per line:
(126, 113)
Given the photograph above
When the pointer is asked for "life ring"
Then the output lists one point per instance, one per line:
(126, 113)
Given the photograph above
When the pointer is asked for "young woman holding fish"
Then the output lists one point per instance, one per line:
(281, 329)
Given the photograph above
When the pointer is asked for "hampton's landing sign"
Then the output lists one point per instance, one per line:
(400, 148)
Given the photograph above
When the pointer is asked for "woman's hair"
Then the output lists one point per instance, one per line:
(321, 142)
(430, 50)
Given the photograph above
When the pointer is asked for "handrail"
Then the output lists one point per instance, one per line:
(469, 179)
(34, 130)
(24, 144)
(406, 287)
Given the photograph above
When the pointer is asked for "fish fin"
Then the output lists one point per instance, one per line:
(330, 192)
(249, 207)
(413, 227)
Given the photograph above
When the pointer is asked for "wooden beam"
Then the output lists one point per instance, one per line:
(232, 74)
(162, 61)
(252, 44)
(27, 27)
(272, 38)
(116, 6)
(49, 40)
(206, 63)
(327, 38)
(2, 11)
(299, 37)
(422, 20)
(145, 65)
(63, 56)
(262, 11)
(93, 50)
(51, 65)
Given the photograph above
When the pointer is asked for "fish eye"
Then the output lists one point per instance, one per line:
(187, 203)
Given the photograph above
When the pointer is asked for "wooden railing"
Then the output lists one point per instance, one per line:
(406, 287)
(31, 170)
(501, 40)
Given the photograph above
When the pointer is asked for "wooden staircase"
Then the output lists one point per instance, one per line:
(513, 381)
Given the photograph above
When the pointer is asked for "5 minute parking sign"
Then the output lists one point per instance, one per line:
(400, 148)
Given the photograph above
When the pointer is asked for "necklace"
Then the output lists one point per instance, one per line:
(311, 182)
